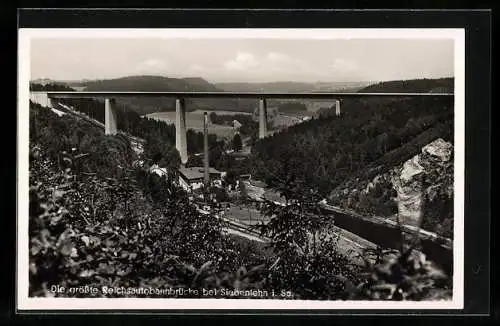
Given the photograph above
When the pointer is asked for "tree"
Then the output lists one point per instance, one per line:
(194, 160)
(243, 193)
(213, 118)
(237, 143)
(292, 107)
(220, 194)
(216, 155)
(308, 262)
(230, 178)
(161, 153)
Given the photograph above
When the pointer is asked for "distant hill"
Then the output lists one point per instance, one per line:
(295, 87)
(265, 87)
(284, 86)
(145, 106)
(43, 81)
(150, 83)
(71, 83)
(412, 86)
(202, 83)
(165, 84)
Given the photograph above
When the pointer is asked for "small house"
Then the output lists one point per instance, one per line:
(193, 178)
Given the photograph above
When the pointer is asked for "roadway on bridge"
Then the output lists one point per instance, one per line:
(256, 95)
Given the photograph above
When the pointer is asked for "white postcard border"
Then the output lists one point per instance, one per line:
(26, 303)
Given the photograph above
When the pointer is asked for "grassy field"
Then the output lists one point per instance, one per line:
(283, 120)
(194, 120)
(220, 112)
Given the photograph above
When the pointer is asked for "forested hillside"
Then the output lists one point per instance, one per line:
(442, 85)
(370, 137)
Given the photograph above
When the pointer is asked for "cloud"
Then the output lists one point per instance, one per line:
(282, 66)
(282, 62)
(152, 66)
(243, 61)
(272, 62)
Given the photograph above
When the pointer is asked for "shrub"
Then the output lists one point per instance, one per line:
(401, 276)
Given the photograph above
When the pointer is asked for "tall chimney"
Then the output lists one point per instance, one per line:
(262, 118)
(206, 175)
(180, 129)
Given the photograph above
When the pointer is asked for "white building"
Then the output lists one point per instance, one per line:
(192, 178)
(236, 124)
(158, 170)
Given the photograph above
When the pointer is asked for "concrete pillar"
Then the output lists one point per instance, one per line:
(50, 101)
(41, 98)
(206, 170)
(262, 118)
(110, 122)
(33, 97)
(180, 129)
(337, 108)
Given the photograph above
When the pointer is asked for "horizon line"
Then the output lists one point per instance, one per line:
(234, 82)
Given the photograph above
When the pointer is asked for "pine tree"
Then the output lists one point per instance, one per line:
(237, 143)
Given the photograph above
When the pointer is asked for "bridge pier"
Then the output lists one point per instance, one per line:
(180, 129)
(41, 98)
(206, 166)
(337, 108)
(110, 121)
(262, 118)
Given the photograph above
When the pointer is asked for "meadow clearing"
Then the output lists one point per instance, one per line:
(194, 120)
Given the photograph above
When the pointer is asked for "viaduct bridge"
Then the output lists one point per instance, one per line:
(47, 98)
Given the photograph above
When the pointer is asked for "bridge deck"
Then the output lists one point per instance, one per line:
(256, 95)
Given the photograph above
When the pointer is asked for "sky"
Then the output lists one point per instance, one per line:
(243, 60)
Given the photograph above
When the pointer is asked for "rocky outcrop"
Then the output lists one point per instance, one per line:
(408, 185)
(438, 191)
(418, 174)
(418, 192)
(416, 179)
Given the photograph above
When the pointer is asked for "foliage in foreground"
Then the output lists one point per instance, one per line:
(77, 240)
(309, 261)
(95, 232)
(395, 275)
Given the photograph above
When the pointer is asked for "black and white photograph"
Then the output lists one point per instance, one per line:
(241, 168)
